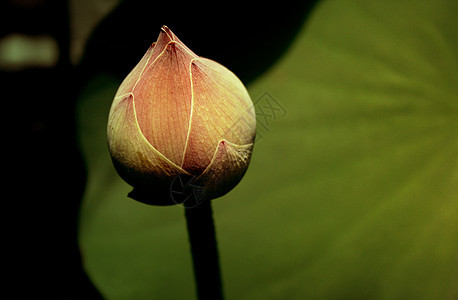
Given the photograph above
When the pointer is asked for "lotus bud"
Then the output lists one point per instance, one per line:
(180, 115)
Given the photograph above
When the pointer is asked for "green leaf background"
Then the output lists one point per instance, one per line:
(352, 194)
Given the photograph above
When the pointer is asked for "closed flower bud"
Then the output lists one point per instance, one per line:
(180, 115)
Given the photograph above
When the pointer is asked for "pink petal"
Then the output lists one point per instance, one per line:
(163, 101)
(222, 109)
(136, 161)
(227, 167)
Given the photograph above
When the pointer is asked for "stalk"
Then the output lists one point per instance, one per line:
(202, 237)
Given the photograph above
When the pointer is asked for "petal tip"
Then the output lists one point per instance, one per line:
(168, 32)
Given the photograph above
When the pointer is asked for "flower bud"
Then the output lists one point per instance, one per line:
(178, 114)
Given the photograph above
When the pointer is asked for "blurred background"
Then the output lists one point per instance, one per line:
(352, 188)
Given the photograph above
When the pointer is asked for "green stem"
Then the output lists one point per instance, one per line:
(202, 237)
